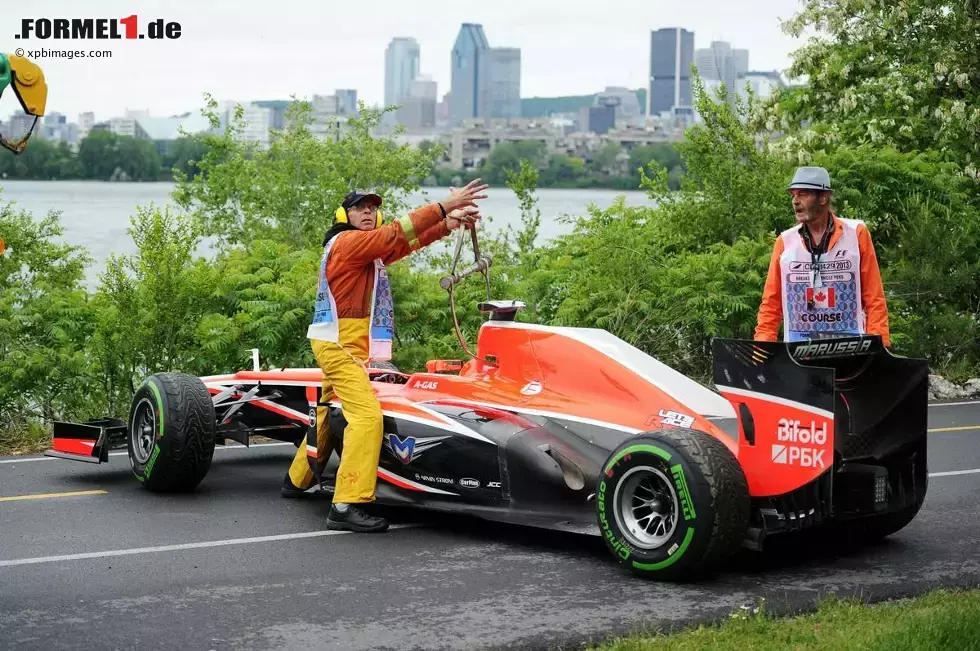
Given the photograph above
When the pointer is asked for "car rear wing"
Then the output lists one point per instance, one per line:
(806, 407)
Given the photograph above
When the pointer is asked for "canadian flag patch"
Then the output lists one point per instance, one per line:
(822, 297)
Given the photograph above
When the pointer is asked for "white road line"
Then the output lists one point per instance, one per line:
(217, 448)
(954, 404)
(954, 472)
(172, 548)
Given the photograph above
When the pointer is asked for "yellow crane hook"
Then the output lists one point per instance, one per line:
(32, 92)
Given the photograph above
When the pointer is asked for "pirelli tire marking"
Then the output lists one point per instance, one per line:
(710, 504)
(181, 412)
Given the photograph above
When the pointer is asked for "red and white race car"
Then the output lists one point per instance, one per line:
(575, 429)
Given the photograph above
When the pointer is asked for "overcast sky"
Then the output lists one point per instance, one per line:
(269, 50)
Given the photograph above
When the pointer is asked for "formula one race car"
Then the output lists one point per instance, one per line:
(575, 429)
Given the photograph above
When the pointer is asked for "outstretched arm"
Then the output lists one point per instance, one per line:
(420, 240)
(455, 219)
(417, 229)
(392, 241)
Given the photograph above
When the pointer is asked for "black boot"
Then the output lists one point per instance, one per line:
(316, 490)
(354, 519)
(290, 490)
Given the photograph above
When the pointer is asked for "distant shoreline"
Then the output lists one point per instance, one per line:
(421, 187)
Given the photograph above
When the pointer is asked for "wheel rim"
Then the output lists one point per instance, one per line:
(646, 507)
(143, 431)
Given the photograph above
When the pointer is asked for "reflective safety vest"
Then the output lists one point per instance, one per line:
(326, 326)
(822, 294)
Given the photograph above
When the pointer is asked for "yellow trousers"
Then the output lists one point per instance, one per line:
(300, 472)
(345, 378)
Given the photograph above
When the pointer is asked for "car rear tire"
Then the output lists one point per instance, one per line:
(874, 528)
(171, 432)
(672, 504)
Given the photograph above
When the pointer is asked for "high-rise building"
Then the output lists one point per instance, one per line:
(401, 68)
(671, 56)
(326, 114)
(704, 59)
(277, 112)
(763, 84)
(503, 76)
(123, 126)
(741, 59)
(627, 104)
(485, 82)
(418, 110)
(424, 87)
(442, 111)
(466, 81)
(720, 63)
(599, 118)
(21, 123)
(347, 100)
(85, 122)
(256, 121)
(53, 127)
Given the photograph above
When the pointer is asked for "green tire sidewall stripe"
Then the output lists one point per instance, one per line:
(683, 493)
(159, 398)
(673, 557)
(152, 383)
(639, 447)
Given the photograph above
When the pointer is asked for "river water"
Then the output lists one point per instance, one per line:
(96, 214)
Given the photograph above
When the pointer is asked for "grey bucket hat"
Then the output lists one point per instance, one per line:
(811, 178)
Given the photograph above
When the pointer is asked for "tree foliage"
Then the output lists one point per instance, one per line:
(46, 319)
(610, 166)
(890, 104)
(103, 156)
(903, 74)
(290, 191)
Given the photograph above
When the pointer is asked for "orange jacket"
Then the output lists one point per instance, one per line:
(872, 290)
(350, 270)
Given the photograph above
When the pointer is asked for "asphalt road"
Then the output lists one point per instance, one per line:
(234, 566)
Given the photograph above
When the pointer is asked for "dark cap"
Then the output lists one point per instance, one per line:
(354, 198)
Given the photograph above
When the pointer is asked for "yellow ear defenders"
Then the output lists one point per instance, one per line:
(341, 217)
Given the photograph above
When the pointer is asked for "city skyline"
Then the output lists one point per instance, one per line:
(402, 66)
(562, 53)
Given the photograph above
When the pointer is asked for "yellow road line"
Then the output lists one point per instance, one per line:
(961, 428)
(42, 496)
